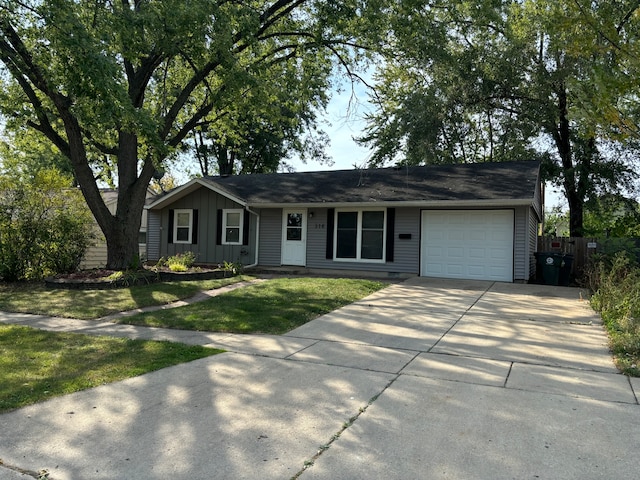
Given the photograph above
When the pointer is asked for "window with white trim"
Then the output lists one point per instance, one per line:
(360, 235)
(232, 225)
(182, 226)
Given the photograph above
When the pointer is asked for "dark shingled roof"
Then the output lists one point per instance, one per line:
(477, 181)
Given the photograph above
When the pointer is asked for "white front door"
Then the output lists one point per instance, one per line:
(294, 236)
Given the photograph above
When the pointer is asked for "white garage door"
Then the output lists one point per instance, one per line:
(471, 244)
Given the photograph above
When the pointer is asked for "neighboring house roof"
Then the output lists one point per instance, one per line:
(478, 183)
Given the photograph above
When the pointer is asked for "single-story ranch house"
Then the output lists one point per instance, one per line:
(469, 221)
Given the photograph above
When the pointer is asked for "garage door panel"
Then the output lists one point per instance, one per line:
(455, 236)
(436, 236)
(474, 244)
(455, 269)
(499, 253)
(477, 270)
(434, 269)
(479, 253)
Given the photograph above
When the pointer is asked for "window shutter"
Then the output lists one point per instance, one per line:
(194, 226)
(245, 227)
(219, 228)
(170, 233)
(331, 213)
(391, 224)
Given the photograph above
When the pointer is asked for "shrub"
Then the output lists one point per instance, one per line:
(615, 283)
(45, 227)
(235, 268)
(181, 262)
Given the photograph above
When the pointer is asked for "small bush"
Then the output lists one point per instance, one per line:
(235, 268)
(181, 262)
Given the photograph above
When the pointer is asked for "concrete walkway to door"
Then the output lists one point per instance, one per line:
(427, 379)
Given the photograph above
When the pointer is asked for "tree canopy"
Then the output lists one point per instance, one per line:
(268, 123)
(118, 86)
(487, 80)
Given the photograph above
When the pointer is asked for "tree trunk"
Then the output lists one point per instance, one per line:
(562, 136)
(225, 164)
(120, 230)
(576, 213)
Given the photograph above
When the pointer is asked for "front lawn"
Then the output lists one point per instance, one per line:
(272, 307)
(92, 304)
(36, 365)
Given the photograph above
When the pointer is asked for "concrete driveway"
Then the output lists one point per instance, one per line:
(427, 379)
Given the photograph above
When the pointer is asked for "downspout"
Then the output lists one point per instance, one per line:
(255, 263)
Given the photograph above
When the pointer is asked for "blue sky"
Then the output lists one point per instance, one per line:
(342, 122)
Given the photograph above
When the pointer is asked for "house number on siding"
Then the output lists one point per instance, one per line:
(319, 226)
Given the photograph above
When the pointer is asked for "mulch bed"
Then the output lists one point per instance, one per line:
(99, 279)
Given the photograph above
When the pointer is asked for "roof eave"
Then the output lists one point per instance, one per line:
(484, 203)
(188, 188)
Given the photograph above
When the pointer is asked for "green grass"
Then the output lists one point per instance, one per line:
(92, 304)
(36, 365)
(272, 307)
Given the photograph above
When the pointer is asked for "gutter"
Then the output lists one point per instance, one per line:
(255, 262)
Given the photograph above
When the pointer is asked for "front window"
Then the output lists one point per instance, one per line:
(232, 227)
(294, 226)
(183, 226)
(360, 235)
(372, 245)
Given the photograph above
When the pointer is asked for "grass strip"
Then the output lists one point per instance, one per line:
(36, 365)
(273, 307)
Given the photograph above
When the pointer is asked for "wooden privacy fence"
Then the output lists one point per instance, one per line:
(583, 248)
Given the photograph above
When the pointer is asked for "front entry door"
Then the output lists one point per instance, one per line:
(294, 237)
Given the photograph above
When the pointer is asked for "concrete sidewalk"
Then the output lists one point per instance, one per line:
(428, 379)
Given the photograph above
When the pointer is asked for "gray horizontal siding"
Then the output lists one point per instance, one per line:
(520, 245)
(317, 240)
(405, 251)
(270, 237)
(153, 235)
(533, 242)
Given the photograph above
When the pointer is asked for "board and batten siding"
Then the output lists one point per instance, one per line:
(207, 251)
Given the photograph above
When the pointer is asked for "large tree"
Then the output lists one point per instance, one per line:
(24, 152)
(269, 124)
(494, 80)
(119, 84)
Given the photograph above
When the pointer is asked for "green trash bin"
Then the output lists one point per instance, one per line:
(550, 263)
(565, 270)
